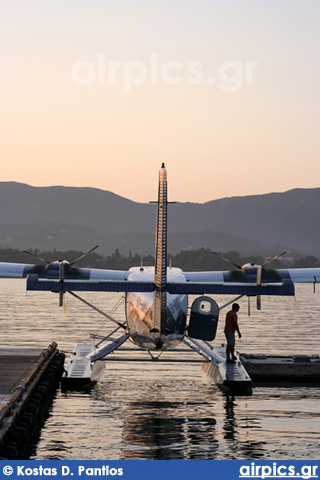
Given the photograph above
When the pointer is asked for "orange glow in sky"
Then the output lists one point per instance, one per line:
(99, 94)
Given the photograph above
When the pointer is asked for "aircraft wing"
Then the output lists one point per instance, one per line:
(245, 282)
(22, 270)
(297, 275)
(238, 282)
(304, 275)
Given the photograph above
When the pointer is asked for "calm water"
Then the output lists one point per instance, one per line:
(157, 410)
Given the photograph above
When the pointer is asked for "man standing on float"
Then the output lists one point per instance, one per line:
(230, 328)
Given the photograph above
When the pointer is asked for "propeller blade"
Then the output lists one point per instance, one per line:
(62, 300)
(36, 256)
(61, 270)
(61, 278)
(226, 260)
(61, 296)
(275, 258)
(258, 302)
(259, 273)
(84, 255)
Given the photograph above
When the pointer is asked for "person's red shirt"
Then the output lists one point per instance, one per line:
(231, 320)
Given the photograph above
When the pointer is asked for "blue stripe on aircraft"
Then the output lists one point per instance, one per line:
(33, 283)
(286, 288)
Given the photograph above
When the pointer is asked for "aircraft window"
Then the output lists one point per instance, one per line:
(205, 307)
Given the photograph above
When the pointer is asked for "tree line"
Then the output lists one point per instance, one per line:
(188, 260)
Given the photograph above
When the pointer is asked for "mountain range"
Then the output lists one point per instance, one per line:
(65, 218)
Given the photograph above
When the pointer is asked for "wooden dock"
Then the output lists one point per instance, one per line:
(28, 378)
(282, 369)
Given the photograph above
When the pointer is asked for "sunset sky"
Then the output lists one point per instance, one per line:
(98, 93)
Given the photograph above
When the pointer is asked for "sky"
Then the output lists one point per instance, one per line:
(99, 93)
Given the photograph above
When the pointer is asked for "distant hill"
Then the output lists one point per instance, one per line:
(78, 218)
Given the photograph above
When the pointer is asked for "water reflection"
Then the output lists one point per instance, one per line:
(232, 434)
(283, 423)
(168, 411)
(167, 431)
(230, 423)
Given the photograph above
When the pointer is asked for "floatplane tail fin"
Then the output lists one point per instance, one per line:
(160, 273)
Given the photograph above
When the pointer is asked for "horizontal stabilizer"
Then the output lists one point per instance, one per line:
(191, 288)
(251, 289)
(34, 283)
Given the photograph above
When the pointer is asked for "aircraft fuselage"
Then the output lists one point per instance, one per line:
(140, 313)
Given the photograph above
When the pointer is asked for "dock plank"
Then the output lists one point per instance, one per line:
(15, 366)
(23, 373)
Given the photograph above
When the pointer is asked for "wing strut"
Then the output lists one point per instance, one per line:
(121, 325)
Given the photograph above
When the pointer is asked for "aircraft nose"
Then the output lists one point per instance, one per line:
(159, 344)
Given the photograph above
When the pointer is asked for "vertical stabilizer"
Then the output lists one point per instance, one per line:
(160, 275)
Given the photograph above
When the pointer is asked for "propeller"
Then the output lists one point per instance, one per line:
(275, 258)
(226, 260)
(259, 273)
(84, 255)
(61, 278)
(62, 264)
(62, 269)
(36, 257)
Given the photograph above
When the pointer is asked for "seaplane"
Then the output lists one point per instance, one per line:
(156, 301)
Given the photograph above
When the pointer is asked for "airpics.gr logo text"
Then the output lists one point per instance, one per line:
(229, 76)
(275, 470)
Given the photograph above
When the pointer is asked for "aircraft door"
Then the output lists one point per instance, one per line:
(203, 319)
